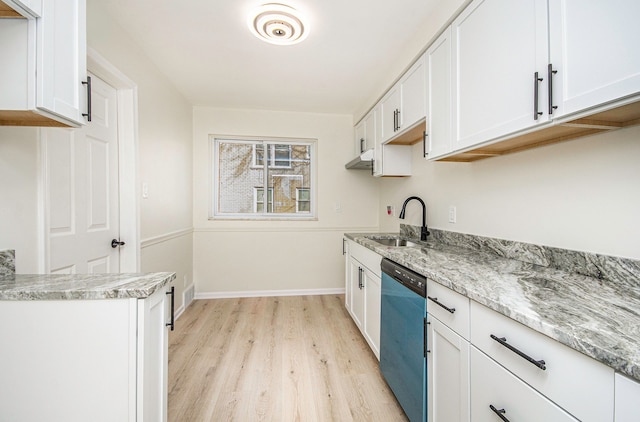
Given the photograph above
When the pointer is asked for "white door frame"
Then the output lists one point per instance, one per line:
(127, 91)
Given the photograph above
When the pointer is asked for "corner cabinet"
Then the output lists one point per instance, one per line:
(81, 360)
(363, 291)
(44, 64)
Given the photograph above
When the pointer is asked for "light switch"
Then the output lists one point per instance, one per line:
(145, 190)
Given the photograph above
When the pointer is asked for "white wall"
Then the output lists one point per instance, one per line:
(582, 195)
(234, 256)
(164, 150)
(19, 227)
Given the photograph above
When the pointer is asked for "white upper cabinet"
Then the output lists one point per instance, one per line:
(61, 59)
(438, 64)
(594, 50)
(360, 140)
(370, 131)
(499, 45)
(404, 105)
(44, 66)
(413, 95)
(390, 113)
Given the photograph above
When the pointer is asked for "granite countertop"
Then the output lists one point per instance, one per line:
(598, 317)
(81, 286)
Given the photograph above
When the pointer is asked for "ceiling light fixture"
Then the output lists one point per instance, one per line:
(278, 24)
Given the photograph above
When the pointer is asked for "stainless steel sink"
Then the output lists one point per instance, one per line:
(394, 241)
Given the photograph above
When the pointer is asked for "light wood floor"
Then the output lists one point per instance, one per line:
(297, 358)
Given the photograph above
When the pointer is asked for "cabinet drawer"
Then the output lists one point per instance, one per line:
(577, 383)
(492, 385)
(366, 257)
(449, 307)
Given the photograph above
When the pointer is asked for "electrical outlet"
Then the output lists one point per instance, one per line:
(452, 214)
(391, 210)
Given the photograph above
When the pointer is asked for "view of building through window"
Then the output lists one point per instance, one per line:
(241, 178)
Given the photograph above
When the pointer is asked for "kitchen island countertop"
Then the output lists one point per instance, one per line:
(82, 286)
(597, 317)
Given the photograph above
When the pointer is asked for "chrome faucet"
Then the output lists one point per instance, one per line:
(423, 230)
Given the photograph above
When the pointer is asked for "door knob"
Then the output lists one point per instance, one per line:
(115, 243)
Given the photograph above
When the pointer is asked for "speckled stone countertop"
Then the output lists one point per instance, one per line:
(81, 286)
(596, 316)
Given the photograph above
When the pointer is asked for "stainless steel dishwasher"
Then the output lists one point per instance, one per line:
(403, 337)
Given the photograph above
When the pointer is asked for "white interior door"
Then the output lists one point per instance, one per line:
(82, 190)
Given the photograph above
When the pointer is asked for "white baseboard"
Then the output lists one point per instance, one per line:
(179, 312)
(268, 293)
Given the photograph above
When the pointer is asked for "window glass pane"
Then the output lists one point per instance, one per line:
(282, 155)
(240, 177)
(259, 155)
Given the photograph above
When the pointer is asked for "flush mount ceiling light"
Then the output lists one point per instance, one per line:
(278, 24)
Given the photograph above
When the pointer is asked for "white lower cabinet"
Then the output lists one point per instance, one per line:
(363, 291)
(84, 360)
(372, 299)
(498, 394)
(447, 374)
(627, 407)
(581, 385)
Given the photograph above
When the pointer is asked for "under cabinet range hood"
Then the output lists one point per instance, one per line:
(363, 161)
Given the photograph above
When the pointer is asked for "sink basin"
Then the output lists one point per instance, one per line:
(394, 241)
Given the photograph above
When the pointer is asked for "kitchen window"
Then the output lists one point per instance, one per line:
(278, 155)
(240, 178)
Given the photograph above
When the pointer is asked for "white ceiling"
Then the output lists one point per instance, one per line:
(205, 48)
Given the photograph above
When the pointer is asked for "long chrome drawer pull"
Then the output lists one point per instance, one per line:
(499, 412)
(435, 300)
(503, 341)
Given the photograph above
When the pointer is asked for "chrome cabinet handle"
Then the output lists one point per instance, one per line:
(398, 110)
(88, 84)
(550, 74)
(503, 341)
(435, 300)
(536, 81)
(499, 412)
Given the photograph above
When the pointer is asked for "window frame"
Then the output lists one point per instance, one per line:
(214, 146)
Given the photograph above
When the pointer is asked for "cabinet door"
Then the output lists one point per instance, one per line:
(357, 292)
(389, 109)
(359, 138)
(372, 293)
(61, 59)
(438, 63)
(413, 95)
(370, 130)
(152, 357)
(347, 274)
(498, 47)
(627, 399)
(448, 374)
(594, 48)
(492, 385)
(378, 153)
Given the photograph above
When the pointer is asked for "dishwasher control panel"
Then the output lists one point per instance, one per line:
(405, 276)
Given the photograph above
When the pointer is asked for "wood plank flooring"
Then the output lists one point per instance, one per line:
(294, 358)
